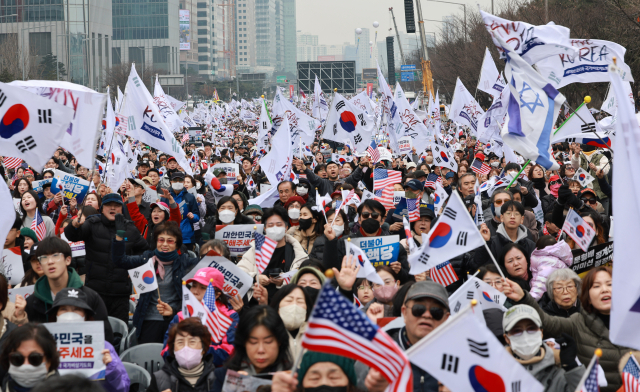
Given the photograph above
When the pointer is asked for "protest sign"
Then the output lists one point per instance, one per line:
(232, 170)
(595, 256)
(80, 347)
(397, 196)
(37, 185)
(381, 250)
(70, 185)
(12, 263)
(238, 237)
(25, 291)
(77, 248)
(236, 382)
(236, 281)
(404, 145)
(265, 187)
(150, 195)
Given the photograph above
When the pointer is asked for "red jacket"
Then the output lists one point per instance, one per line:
(141, 222)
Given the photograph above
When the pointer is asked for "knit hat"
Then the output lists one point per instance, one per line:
(253, 209)
(27, 232)
(310, 358)
(308, 270)
(294, 199)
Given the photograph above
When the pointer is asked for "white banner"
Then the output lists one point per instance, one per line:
(12, 263)
(25, 292)
(80, 347)
(236, 281)
(238, 237)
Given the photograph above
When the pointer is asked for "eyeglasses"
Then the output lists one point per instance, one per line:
(512, 213)
(374, 215)
(494, 283)
(168, 241)
(54, 257)
(590, 201)
(17, 359)
(519, 331)
(437, 313)
(559, 290)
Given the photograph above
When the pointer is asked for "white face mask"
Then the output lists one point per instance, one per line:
(495, 164)
(293, 316)
(294, 213)
(70, 317)
(177, 186)
(527, 345)
(275, 233)
(227, 216)
(301, 190)
(338, 230)
(198, 185)
(28, 375)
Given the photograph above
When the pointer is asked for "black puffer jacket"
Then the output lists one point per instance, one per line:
(170, 378)
(102, 275)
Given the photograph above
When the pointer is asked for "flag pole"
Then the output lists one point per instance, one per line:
(587, 99)
(520, 172)
(493, 259)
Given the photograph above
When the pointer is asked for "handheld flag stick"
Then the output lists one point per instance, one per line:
(494, 260)
(520, 172)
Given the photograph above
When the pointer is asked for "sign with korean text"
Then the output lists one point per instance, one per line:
(12, 263)
(80, 347)
(397, 195)
(238, 237)
(594, 257)
(382, 250)
(77, 248)
(236, 382)
(70, 185)
(232, 170)
(25, 292)
(404, 145)
(236, 281)
(37, 185)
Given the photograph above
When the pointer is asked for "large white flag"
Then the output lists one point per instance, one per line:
(464, 355)
(109, 125)
(390, 111)
(490, 81)
(532, 43)
(410, 125)
(625, 306)
(175, 104)
(574, 130)
(169, 115)
(32, 127)
(533, 108)
(132, 159)
(264, 126)
(145, 122)
(464, 108)
(346, 122)
(362, 102)
(610, 104)
(277, 163)
(8, 217)
(301, 126)
(454, 234)
(320, 105)
(83, 133)
(119, 99)
(589, 66)
(117, 166)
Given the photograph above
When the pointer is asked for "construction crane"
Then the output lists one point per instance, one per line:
(397, 35)
(427, 78)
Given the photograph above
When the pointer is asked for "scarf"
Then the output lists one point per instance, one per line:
(163, 258)
(192, 376)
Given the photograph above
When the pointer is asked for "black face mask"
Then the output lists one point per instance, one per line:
(305, 224)
(326, 388)
(370, 226)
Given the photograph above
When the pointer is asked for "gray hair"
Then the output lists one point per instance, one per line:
(562, 274)
(499, 191)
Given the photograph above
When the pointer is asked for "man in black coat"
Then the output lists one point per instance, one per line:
(327, 186)
(97, 231)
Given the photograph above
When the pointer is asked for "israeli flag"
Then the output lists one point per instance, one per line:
(532, 110)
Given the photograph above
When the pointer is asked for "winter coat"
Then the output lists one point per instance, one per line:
(552, 377)
(422, 381)
(187, 203)
(552, 308)
(305, 241)
(318, 246)
(590, 333)
(41, 301)
(181, 266)
(169, 377)
(325, 185)
(499, 241)
(102, 276)
(221, 351)
(116, 378)
(293, 257)
(530, 199)
(145, 225)
(544, 262)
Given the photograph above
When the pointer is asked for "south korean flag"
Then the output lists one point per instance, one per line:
(443, 156)
(348, 122)
(583, 177)
(454, 234)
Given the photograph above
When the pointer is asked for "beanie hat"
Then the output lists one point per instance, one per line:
(310, 358)
(308, 270)
(27, 232)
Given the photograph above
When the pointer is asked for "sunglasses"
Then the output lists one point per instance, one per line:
(374, 215)
(437, 313)
(17, 359)
(555, 183)
(590, 201)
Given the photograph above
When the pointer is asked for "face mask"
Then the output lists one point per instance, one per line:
(496, 212)
(326, 388)
(294, 213)
(275, 233)
(177, 186)
(554, 189)
(293, 316)
(370, 226)
(28, 375)
(513, 174)
(198, 185)
(338, 230)
(385, 294)
(227, 216)
(527, 345)
(188, 357)
(302, 190)
(305, 224)
(70, 317)
(495, 164)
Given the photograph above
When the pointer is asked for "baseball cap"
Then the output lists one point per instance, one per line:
(410, 165)
(218, 171)
(112, 198)
(517, 313)
(171, 159)
(177, 174)
(449, 175)
(73, 297)
(205, 275)
(480, 156)
(428, 289)
(415, 185)
(253, 209)
(162, 205)
(144, 163)
(427, 212)
(419, 173)
(136, 181)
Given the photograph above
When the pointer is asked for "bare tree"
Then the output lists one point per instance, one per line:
(118, 75)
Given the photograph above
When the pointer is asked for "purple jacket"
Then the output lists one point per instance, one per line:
(116, 378)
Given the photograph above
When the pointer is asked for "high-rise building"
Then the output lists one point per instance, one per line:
(363, 56)
(147, 33)
(290, 47)
(78, 33)
(246, 36)
(197, 37)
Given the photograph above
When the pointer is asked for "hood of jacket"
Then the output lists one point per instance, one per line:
(522, 232)
(560, 251)
(42, 290)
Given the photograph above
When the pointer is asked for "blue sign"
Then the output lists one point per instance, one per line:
(382, 250)
(70, 185)
(406, 76)
(407, 67)
(37, 185)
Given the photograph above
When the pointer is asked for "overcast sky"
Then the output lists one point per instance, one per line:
(334, 21)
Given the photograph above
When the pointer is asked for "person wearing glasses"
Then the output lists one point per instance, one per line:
(563, 291)
(549, 256)
(54, 255)
(523, 334)
(156, 308)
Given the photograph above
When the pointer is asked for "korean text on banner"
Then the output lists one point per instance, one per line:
(80, 347)
(70, 185)
(232, 170)
(382, 250)
(236, 281)
(404, 144)
(238, 237)
(77, 248)
(38, 185)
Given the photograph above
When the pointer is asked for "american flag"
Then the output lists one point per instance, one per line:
(337, 327)
(385, 196)
(264, 250)
(37, 225)
(444, 274)
(12, 163)
(413, 207)
(432, 178)
(217, 322)
(480, 167)
(590, 383)
(477, 146)
(383, 178)
(185, 137)
(373, 151)
(630, 375)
